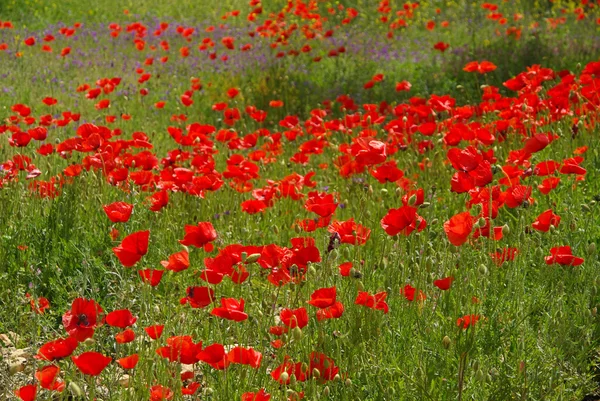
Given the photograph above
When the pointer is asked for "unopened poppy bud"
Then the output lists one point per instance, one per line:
(326, 391)
(292, 380)
(244, 255)
(276, 229)
(360, 286)
(297, 229)
(481, 222)
(424, 205)
(480, 376)
(89, 341)
(304, 367)
(253, 258)
(398, 191)
(591, 248)
(297, 333)
(284, 377)
(316, 373)
(75, 389)
(348, 382)
(585, 208)
(483, 269)
(434, 222)
(552, 228)
(505, 229)
(404, 119)
(384, 190)
(482, 87)
(292, 395)
(475, 365)
(208, 391)
(412, 200)
(311, 270)
(592, 202)
(337, 377)
(460, 87)
(446, 342)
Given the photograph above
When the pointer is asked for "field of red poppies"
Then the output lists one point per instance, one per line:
(299, 199)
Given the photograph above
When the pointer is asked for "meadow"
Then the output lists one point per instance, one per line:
(303, 199)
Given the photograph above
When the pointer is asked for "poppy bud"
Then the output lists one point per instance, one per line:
(326, 391)
(244, 255)
(412, 200)
(75, 389)
(297, 333)
(424, 205)
(360, 286)
(384, 190)
(337, 377)
(316, 373)
(476, 365)
(480, 376)
(292, 395)
(89, 341)
(297, 229)
(592, 202)
(552, 228)
(311, 270)
(284, 377)
(434, 222)
(292, 380)
(275, 229)
(483, 269)
(348, 382)
(481, 222)
(446, 342)
(505, 229)
(252, 258)
(591, 248)
(209, 390)
(398, 191)
(460, 87)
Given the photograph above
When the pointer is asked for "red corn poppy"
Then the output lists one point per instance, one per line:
(563, 256)
(294, 317)
(27, 393)
(230, 309)
(132, 248)
(545, 220)
(129, 362)
(121, 318)
(81, 320)
(91, 363)
(458, 228)
(376, 301)
(444, 284)
(154, 332)
(118, 212)
(199, 235)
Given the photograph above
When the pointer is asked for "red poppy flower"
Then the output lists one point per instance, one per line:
(129, 362)
(159, 200)
(545, 220)
(563, 256)
(118, 212)
(199, 235)
(403, 86)
(403, 220)
(260, 395)
(345, 269)
(27, 393)
(458, 228)
(215, 356)
(325, 366)
(444, 284)
(245, 356)
(91, 363)
(121, 318)
(350, 232)
(516, 195)
(410, 293)
(253, 206)
(125, 337)
(132, 248)
(294, 317)
(467, 321)
(154, 332)
(199, 297)
(30, 41)
(47, 378)
(482, 68)
(331, 312)
(57, 349)
(159, 393)
(376, 301)
(323, 297)
(503, 255)
(180, 349)
(81, 320)
(548, 185)
(230, 309)
(321, 203)
(177, 262)
(151, 276)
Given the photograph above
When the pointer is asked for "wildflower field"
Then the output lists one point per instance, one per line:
(299, 200)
